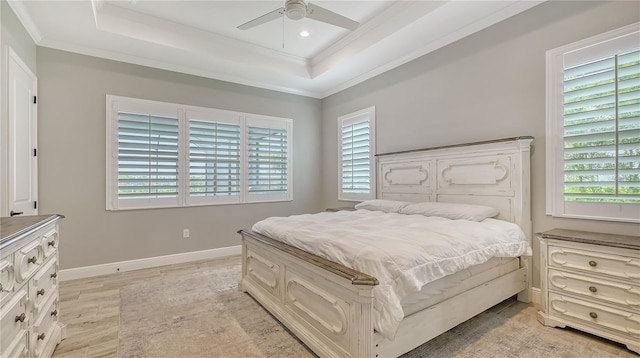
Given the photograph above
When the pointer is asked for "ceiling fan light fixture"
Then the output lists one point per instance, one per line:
(295, 9)
(299, 9)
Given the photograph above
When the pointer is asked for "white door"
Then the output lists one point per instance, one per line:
(22, 130)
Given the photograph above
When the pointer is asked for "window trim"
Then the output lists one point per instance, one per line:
(370, 112)
(556, 206)
(184, 113)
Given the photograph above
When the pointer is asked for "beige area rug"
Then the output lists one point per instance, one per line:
(204, 315)
(200, 315)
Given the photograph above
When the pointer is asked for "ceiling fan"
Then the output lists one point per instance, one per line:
(298, 9)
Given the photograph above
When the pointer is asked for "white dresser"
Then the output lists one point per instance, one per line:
(29, 286)
(591, 282)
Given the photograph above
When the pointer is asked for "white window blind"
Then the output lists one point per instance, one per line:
(147, 161)
(602, 130)
(214, 158)
(356, 158)
(167, 155)
(356, 173)
(593, 123)
(267, 160)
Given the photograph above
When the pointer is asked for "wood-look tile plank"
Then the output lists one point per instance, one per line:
(91, 310)
(107, 349)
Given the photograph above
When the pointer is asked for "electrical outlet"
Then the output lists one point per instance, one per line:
(185, 233)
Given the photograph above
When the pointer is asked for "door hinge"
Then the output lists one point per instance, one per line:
(34, 99)
(35, 152)
(35, 204)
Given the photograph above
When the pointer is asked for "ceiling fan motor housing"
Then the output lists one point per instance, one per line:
(295, 9)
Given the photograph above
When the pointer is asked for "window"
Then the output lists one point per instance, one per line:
(214, 157)
(147, 156)
(593, 127)
(169, 155)
(356, 155)
(268, 164)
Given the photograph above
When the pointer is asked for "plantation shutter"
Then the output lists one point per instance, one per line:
(356, 151)
(163, 155)
(147, 156)
(214, 159)
(268, 161)
(602, 130)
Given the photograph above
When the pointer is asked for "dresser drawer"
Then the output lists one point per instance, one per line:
(44, 285)
(50, 242)
(18, 347)
(614, 292)
(14, 323)
(599, 317)
(44, 327)
(28, 260)
(7, 278)
(618, 266)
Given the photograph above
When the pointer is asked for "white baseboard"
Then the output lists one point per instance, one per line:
(123, 266)
(535, 295)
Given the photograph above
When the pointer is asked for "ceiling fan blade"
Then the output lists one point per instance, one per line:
(270, 16)
(321, 14)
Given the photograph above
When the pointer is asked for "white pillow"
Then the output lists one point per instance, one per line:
(451, 211)
(387, 206)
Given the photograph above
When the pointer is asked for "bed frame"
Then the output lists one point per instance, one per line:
(329, 306)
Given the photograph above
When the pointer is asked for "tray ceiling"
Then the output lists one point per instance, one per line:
(202, 38)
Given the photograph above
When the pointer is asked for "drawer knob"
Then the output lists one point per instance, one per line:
(52, 243)
(41, 336)
(593, 315)
(54, 275)
(593, 289)
(32, 260)
(54, 313)
(593, 263)
(21, 318)
(40, 292)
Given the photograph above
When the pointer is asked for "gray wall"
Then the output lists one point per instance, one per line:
(489, 85)
(12, 35)
(72, 159)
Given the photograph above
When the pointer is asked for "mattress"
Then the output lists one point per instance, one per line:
(452, 285)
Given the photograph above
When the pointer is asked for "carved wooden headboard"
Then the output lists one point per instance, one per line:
(494, 173)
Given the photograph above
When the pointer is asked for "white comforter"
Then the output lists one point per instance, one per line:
(404, 252)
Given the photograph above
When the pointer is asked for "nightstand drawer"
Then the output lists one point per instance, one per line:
(620, 322)
(614, 292)
(622, 267)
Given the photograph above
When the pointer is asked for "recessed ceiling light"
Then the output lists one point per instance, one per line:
(304, 33)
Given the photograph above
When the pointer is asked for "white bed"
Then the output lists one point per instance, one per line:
(329, 306)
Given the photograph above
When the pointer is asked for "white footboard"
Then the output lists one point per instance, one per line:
(327, 306)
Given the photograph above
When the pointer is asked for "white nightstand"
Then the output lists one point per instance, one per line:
(591, 282)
